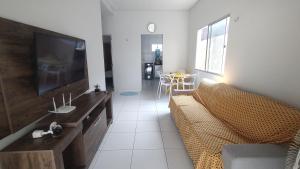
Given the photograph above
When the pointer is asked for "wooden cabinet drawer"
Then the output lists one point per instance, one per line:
(94, 135)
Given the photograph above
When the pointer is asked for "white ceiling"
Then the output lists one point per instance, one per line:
(151, 4)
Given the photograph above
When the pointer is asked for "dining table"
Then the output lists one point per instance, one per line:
(176, 78)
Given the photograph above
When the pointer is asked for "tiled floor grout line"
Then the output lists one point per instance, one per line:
(162, 136)
(134, 137)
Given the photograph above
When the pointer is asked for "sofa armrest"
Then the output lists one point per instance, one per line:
(254, 156)
(181, 92)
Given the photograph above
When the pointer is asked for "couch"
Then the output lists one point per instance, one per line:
(215, 115)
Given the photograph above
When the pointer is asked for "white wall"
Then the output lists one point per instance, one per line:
(126, 28)
(263, 47)
(77, 18)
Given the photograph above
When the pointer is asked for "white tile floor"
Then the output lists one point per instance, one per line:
(143, 135)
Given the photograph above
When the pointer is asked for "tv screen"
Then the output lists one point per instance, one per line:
(59, 60)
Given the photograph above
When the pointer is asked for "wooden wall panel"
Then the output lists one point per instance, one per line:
(18, 80)
(4, 123)
(34, 159)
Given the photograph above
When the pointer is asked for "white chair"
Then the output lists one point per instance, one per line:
(179, 87)
(174, 86)
(164, 81)
(188, 81)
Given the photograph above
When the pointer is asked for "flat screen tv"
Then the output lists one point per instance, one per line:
(60, 60)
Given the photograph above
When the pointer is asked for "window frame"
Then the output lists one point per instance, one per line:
(158, 46)
(208, 46)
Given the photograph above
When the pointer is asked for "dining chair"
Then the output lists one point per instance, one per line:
(189, 81)
(174, 86)
(179, 87)
(165, 82)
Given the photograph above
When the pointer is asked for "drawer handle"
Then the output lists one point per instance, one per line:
(99, 119)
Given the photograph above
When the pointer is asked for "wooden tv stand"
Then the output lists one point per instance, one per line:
(84, 129)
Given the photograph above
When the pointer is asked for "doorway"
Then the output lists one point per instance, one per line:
(108, 64)
(152, 59)
(152, 56)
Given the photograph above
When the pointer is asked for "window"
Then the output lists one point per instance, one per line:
(211, 47)
(156, 46)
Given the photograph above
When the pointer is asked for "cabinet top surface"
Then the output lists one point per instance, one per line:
(72, 123)
(27, 143)
(84, 105)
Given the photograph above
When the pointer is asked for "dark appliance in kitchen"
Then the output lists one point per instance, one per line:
(149, 71)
